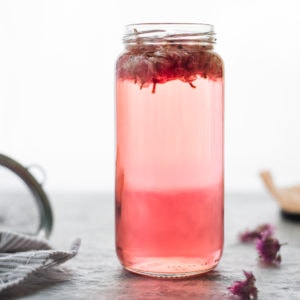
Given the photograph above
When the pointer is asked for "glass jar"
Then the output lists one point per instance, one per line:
(169, 150)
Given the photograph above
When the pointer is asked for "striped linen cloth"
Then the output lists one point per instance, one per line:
(22, 256)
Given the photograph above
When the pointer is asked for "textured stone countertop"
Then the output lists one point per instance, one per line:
(95, 272)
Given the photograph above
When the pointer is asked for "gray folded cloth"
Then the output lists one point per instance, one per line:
(22, 256)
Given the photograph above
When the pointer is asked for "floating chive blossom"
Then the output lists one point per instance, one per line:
(250, 236)
(155, 64)
(268, 248)
(245, 289)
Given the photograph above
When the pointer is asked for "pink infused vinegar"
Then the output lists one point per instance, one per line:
(169, 175)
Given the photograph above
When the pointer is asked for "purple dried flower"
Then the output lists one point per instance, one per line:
(245, 289)
(249, 236)
(268, 248)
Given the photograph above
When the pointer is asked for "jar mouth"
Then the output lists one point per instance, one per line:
(175, 33)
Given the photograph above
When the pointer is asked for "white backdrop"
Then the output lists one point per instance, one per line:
(57, 85)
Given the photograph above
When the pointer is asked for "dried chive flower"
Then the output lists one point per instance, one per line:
(268, 248)
(245, 289)
(152, 64)
(250, 236)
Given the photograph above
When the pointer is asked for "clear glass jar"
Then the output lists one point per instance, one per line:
(169, 160)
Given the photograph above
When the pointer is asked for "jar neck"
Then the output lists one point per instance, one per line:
(170, 34)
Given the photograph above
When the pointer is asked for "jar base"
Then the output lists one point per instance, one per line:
(171, 268)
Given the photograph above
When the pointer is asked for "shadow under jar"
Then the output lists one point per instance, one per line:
(169, 150)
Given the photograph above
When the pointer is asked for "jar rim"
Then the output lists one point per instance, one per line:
(157, 33)
(168, 24)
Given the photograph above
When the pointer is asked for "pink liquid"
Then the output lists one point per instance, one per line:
(169, 177)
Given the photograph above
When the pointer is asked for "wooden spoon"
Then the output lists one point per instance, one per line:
(288, 198)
